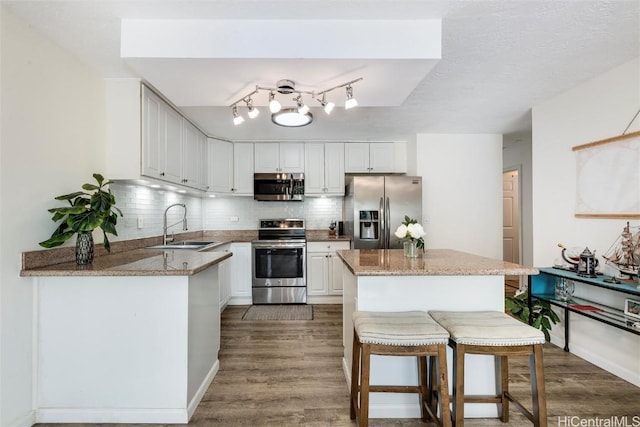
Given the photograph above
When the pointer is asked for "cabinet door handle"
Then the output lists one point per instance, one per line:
(161, 173)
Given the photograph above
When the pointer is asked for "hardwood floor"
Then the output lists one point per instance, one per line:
(289, 373)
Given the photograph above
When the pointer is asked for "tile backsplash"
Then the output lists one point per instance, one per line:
(139, 203)
(318, 212)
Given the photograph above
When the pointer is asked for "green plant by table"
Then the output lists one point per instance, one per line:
(538, 314)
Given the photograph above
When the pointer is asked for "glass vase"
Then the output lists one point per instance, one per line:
(84, 248)
(411, 249)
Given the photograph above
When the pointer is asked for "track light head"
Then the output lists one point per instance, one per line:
(302, 107)
(327, 106)
(237, 118)
(351, 101)
(253, 112)
(274, 105)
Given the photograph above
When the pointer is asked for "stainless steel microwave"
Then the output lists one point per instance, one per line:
(278, 186)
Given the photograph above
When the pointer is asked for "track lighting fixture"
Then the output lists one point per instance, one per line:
(300, 114)
(351, 101)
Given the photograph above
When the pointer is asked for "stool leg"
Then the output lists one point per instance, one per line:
(445, 412)
(432, 383)
(502, 386)
(458, 384)
(364, 385)
(537, 387)
(355, 375)
(424, 390)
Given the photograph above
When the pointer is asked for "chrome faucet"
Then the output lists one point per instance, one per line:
(165, 227)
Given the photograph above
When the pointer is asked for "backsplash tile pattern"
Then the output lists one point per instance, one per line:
(210, 213)
(318, 212)
(149, 204)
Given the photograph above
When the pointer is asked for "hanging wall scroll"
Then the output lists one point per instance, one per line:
(608, 178)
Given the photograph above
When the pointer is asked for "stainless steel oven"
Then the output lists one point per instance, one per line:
(279, 262)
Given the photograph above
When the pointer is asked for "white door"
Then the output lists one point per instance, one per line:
(510, 219)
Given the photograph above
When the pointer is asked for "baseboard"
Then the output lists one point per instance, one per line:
(604, 363)
(240, 301)
(26, 420)
(195, 401)
(100, 415)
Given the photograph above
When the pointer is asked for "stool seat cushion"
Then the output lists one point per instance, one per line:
(491, 328)
(408, 328)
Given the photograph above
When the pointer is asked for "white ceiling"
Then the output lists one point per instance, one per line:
(498, 59)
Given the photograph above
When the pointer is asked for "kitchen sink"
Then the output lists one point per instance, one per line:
(194, 245)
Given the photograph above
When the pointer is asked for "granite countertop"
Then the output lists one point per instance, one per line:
(128, 258)
(433, 262)
(138, 262)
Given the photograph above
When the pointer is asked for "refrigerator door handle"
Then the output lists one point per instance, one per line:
(381, 231)
(387, 221)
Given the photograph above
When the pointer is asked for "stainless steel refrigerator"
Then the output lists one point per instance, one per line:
(375, 206)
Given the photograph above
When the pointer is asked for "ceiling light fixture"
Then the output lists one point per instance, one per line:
(351, 101)
(300, 114)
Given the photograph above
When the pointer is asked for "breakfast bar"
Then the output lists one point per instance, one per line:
(438, 279)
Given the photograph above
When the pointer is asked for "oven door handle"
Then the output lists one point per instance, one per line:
(278, 245)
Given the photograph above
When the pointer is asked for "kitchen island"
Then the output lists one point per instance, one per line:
(439, 279)
(132, 338)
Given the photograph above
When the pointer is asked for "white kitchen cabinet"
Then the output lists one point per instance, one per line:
(324, 270)
(272, 157)
(194, 160)
(220, 155)
(374, 157)
(230, 167)
(172, 147)
(324, 169)
(225, 277)
(241, 274)
(243, 168)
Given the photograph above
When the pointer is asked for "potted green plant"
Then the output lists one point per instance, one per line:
(542, 316)
(89, 209)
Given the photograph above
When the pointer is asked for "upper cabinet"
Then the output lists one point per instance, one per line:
(272, 157)
(231, 167)
(374, 157)
(324, 169)
(173, 149)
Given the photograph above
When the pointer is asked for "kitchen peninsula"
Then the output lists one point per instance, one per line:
(132, 338)
(439, 279)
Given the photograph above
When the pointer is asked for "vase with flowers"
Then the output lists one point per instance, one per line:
(411, 233)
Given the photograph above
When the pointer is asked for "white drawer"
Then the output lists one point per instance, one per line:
(328, 246)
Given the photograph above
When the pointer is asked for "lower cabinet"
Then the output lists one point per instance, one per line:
(224, 277)
(324, 271)
(240, 274)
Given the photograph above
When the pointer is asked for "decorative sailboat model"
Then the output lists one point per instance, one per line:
(624, 254)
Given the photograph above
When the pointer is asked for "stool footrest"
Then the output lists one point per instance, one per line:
(394, 389)
(482, 399)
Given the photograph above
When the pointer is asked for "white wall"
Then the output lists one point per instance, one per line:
(516, 154)
(598, 109)
(462, 192)
(51, 141)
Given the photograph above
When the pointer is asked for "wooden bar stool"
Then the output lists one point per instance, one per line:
(500, 335)
(411, 333)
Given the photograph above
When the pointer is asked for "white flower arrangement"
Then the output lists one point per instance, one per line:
(411, 230)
